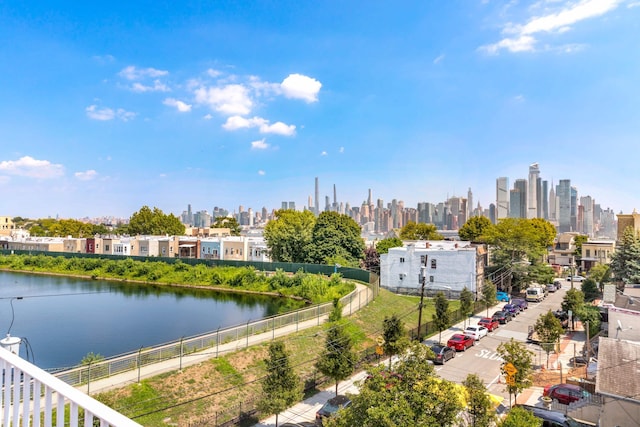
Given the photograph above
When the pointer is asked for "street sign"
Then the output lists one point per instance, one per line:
(379, 350)
(510, 369)
(510, 380)
(380, 340)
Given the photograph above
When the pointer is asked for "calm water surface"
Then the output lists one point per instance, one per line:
(63, 318)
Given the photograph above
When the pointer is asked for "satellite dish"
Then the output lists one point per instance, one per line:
(620, 328)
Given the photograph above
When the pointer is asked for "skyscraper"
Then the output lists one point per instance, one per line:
(317, 199)
(532, 195)
(518, 199)
(469, 204)
(502, 198)
(563, 193)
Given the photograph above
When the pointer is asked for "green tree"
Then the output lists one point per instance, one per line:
(441, 318)
(578, 241)
(336, 235)
(516, 353)
(466, 304)
(489, 293)
(336, 312)
(227, 222)
(384, 245)
(288, 236)
(480, 411)
(540, 273)
(590, 289)
(601, 273)
(520, 417)
(91, 357)
(281, 387)
(573, 300)
(420, 231)
(338, 360)
(155, 222)
(590, 314)
(414, 396)
(474, 228)
(394, 335)
(549, 329)
(625, 261)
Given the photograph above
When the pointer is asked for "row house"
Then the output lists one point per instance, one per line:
(441, 265)
(33, 244)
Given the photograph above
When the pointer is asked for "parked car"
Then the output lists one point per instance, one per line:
(551, 287)
(332, 406)
(520, 302)
(558, 283)
(476, 331)
(490, 323)
(565, 393)
(502, 316)
(575, 278)
(511, 308)
(535, 294)
(550, 418)
(460, 342)
(503, 296)
(442, 354)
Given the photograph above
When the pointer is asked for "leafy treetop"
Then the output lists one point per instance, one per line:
(421, 231)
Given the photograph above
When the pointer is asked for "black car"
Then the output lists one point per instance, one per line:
(502, 317)
(512, 308)
(522, 303)
(549, 417)
(443, 353)
(332, 406)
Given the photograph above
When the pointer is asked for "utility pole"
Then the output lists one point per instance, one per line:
(423, 279)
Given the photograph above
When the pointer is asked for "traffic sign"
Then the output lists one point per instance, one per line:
(380, 340)
(510, 380)
(510, 369)
(379, 350)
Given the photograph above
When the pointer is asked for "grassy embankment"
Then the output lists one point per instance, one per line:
(218, 388)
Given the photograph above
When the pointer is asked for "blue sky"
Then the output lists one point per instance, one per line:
(109, 106)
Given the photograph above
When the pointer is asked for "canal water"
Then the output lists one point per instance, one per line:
(63, 319)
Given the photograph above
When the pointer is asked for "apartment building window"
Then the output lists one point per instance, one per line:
(588, 252)
(431, 279)
(401, 259)
(106, 247)
(433, 264)
(423, 259)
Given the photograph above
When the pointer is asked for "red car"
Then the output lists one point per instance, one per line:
(489, 323)
(461, 342)
(565, 393)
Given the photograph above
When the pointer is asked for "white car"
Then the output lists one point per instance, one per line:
(476, 331)
(575, 278)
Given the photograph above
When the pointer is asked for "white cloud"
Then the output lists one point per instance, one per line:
(523, 40)
(302, 87)
(341, 150)
(133, 73)
(214, 73)
(104, 59)
(158, 86)
(207, 117)
(438, 59)
(259, 145)
(633, 4)
(179, 105)
(32, 168)
(86, 175)
(279, 128)
(324, 153)
(261, 173)
(103, 114)
(230, 99)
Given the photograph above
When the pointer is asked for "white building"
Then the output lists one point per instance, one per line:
(450, 267)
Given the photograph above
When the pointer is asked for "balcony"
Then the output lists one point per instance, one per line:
(33, 397)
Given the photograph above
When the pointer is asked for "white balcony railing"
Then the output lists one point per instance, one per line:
(32, 397)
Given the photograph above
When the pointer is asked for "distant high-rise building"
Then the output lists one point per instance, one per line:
(587, 215)
(553, 205)
(469, 203)
(574, 209)
(563, 193)
(492, 213)
(532, 195)
(284, 205)
(545, 200)
(502, 198)
(518, 199)
(317, 200)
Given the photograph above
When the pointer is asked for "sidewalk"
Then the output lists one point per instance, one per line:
(306, 410)
(570, 346)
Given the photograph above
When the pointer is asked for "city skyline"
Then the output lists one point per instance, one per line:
(107, 108)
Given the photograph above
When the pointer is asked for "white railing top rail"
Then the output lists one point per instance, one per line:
(98, 409)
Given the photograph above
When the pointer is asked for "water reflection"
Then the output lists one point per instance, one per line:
(65, 318)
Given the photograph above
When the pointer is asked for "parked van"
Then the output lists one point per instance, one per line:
(535, 294)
